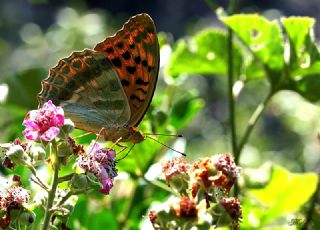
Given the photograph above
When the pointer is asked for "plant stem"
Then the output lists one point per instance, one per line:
(54, 185)
(231, 99)
(230, 93)
(251, 123)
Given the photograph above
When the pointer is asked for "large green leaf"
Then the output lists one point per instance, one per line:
(302, 49)
(205, 53)
(285, 193)
(263, 38)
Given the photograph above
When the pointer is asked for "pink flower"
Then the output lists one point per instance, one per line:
(100, 162)
(107, 185)
(44, 122)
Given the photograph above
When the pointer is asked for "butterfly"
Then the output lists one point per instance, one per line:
(111, 86)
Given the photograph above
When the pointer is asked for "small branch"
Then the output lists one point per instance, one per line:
(68, 195)
(64, 199)
(251, 123)
(65, 178)
(38, 183)
(37, 179)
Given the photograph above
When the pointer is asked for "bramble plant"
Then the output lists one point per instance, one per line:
(55, 181)
(203, 186)
(48, 129)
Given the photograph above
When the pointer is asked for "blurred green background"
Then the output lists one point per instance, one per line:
(35, 34)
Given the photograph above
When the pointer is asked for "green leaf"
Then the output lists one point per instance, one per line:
(308, 87)
(262, 37)
(300, 34)
(285, 193)
(185, 110)
(205, 53)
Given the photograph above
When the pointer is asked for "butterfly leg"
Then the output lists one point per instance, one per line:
(125, 147)
(101, 133)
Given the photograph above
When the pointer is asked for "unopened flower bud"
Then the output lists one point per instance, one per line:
(27, 218)
(79, 181)
(66, 129)
(37, 153)
(16, 154)
(64, 149)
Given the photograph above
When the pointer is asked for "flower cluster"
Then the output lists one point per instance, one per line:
(100, 162)
(203, 188)
(44, 123)
(12, 197)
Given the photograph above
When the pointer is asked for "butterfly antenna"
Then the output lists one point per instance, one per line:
(161, 134)
(183, 154)
(125, 154)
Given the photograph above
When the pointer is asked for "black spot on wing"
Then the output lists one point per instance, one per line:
(139, 81)
(131, 69)
(120, 45)
(126, 55)
(137, 59)
(144, 63)
(141, 90)
(116, 62)
(150, 68)
(134, 97)
(109, 50)
(124, 82)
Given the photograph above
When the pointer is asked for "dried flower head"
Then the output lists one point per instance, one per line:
(219, 171)
(233, 208)
(186, 208)
(175, 166)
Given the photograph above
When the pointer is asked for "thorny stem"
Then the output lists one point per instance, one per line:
(54, 185)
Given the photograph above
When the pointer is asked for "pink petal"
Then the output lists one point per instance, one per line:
(31, 135)
(107, 186)
(57, 120)
(30, 124)
(31, 115)
(51, 133)
(59, 111)
(48, 105)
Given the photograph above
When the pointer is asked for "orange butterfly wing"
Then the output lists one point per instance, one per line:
(134, 53)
